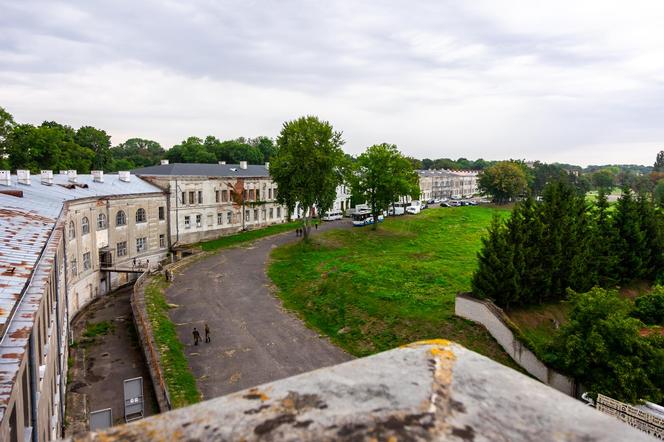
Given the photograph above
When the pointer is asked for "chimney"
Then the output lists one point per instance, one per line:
(163, 162)
(5, 178)
(222, 162)
(243, 164)
(124, 175)
(47, 177)
(98, 176)
(23, 176)
(63, 172)
(267, 165)
(72, 176)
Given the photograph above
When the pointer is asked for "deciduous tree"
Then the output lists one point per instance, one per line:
(503, 181)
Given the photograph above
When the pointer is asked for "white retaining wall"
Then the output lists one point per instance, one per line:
(492, 317)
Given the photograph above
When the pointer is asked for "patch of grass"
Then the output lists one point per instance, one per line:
(249, 235)
(94, 329)
(180, 381)
(538, 324)
(392, 286)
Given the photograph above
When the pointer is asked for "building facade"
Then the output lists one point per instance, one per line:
(206, 201)
(438, 184)
(66, 239)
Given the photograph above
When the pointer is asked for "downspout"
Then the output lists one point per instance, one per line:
(57, 329)
(33, 387)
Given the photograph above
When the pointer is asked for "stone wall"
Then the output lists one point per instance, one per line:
(497, 323)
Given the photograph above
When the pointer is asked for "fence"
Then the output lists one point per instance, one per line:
(496, 322)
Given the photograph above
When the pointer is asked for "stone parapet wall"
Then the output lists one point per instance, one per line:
(496, 322)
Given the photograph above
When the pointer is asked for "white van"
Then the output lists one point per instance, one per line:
(333, 215)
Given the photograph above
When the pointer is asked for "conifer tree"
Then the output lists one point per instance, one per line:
(602, 237)
(651, 226)
(630, 239)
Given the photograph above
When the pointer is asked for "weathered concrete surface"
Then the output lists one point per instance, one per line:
(427, 391)
(253, 339)
(96, 378)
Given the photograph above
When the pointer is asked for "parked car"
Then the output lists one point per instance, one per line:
(445, 204)
(413, 210)
(332, 215)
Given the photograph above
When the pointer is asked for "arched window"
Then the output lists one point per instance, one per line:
(85, 226)
(140, 216)
(120, 218)
(101, 221)
(72, 230)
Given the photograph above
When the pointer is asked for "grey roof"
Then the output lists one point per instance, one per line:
(200, 169)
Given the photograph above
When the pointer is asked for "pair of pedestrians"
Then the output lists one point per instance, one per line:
(197, 335)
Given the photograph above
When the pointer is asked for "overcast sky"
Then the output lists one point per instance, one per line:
(569, 81)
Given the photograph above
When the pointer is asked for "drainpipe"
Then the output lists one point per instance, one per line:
(59, 340)
(33, 387)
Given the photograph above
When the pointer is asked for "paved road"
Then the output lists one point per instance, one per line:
(253, 339)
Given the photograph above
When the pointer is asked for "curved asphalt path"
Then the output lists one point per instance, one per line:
(253, 339)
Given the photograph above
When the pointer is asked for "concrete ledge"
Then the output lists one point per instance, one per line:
(433, 390)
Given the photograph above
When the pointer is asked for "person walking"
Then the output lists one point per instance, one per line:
(207, 333)
(197, 336)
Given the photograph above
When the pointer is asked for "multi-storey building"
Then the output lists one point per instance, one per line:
(206, 201)
(436, 184)
(65, 240)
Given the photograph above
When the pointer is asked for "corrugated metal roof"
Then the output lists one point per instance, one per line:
(199, 169)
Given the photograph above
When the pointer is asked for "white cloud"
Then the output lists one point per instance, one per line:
(573, 81)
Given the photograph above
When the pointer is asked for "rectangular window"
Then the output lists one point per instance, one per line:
(229, 217)
(224, 196)
(141, 244)
(74, 267)
(269, 193)
(256, 215)
(258, 195)
(278, 212)
(244, 195)
(246, 215)
(162, 241)
(220, 218)
(271, 213)
(191, 197)
(199, 221)
(187, 222)
(216, 196)
(183, 200)
(87, 262)
(162, 213)
(264, 215)
(121, 248)
(251, 194)
(200, 197)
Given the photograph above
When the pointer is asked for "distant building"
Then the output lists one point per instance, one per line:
(66, 239)
(438, 184)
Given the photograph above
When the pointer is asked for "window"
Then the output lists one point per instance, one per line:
(264, 214)
(101, 221)
(271, 213)
(251, 194)
(216, 196)
(121, 248)
(85, 226)
(87, 263)
(278, 212)
(162, 241)
(191, 197)
(74, 267)
(220, 218)
(200, 197)
(229, 217)
(199, 221)
(258, 195)
(183, 200)
(269, 193)
(162, 213)
(120, 219)
(72, 230)
(224, 195)
(187, 221)
(246, 215)
(244, 195)
(140, 216)
(141, 244)
(210, 219)
(256, 215)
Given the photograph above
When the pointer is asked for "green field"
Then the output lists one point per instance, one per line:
(374, 290)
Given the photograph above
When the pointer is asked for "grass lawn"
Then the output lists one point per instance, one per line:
(179, 380)
(374, 290)
(249, 235)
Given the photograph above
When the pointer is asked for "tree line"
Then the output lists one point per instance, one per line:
(55, 146)
(546, 247)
